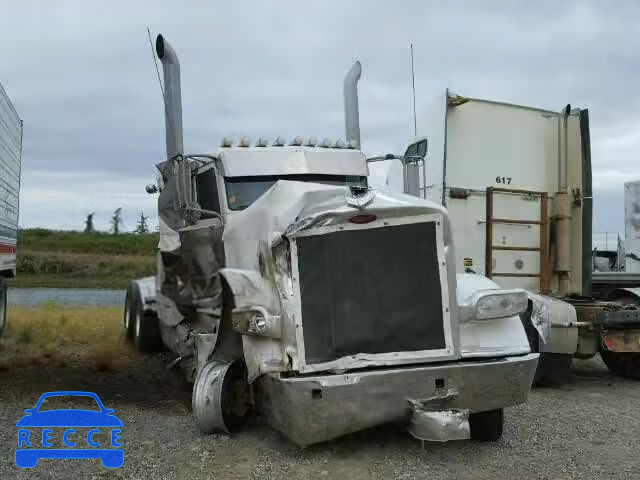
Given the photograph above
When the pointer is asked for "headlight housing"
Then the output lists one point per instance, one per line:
(256, 321)
(488, 304)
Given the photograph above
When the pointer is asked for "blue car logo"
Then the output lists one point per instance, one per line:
(91, 433)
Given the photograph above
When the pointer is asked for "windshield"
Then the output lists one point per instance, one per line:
(243, 191)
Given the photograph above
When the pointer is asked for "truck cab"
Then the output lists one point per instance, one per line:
(286, 284)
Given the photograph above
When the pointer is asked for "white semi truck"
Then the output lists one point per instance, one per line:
(516, 182)
(284, 283)
(10, 167)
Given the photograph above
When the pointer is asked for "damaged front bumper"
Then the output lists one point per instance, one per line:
(318, 408)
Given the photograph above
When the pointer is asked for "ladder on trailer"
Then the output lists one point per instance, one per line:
(542, 248)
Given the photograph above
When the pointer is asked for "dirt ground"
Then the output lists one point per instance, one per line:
(588, 428)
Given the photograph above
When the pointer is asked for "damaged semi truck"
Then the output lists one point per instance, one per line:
(516, 182)
(286, 284)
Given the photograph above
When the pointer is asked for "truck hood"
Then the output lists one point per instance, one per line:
(257, 275)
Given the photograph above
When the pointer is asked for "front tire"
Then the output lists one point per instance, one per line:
(487, 426)
(221, 399)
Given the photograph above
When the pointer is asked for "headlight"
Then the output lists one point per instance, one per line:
(256, 321)
(489, 304)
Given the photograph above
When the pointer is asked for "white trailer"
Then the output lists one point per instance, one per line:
(10, 167)
(516, 181)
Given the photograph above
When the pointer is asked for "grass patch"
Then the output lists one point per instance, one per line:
(53, 258)
(44, 240)
(39, 268)
(52, 335)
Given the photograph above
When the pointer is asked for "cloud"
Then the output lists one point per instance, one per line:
(82, 77)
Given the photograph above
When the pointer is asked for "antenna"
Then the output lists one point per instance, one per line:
(155, 61)
(413, 85)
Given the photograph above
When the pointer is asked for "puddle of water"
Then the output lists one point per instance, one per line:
(72, 297)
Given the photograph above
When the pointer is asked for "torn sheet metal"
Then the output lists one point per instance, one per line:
(439, 425)
(548, 313)
(432, 421)
(258, 262)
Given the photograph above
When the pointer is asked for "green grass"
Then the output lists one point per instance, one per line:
(52, 335)
(75, 259)
(41, 239)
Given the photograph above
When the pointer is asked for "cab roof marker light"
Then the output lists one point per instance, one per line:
(245, 142)
(351, 144)
(326, 143)
(297, 141)
(227, 142)
(339, 144)
(312, 142)
(279, 142)
(262, 142)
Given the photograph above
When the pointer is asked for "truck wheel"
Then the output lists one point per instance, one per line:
(622, 364)
(146, 329)
(129, 309)
(221, 398)
(486, 426)
(3, 305)
(553, 369)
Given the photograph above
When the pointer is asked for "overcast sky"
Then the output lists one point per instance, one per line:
(82, 78)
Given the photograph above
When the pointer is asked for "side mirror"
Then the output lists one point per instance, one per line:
(417, 150)
(151, 188)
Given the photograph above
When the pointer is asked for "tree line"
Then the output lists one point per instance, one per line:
(116, 225)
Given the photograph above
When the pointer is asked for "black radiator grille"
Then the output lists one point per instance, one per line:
(372, 290)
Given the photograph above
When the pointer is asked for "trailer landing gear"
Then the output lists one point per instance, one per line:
(221, 397)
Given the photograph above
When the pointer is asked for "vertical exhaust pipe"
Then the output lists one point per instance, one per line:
(172, 97)
(351, 113)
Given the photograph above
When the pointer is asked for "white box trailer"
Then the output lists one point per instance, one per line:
(516, 182)
(10, 167)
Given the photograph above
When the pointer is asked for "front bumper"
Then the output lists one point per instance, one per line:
(317, 408)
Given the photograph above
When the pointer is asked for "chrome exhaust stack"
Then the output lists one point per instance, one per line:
(351, 113)
(172, 97)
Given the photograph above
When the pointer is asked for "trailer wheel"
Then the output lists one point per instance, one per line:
(146, 328)
(221, 398)
(622, 364)
(129, 309)
(3, 305)
(487, 426)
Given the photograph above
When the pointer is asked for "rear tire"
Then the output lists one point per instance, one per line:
(3, 305)
(622, 364)
(146, 328)
(487, 426)
(129, 306)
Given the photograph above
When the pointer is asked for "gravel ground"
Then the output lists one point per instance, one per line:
(588, 428)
